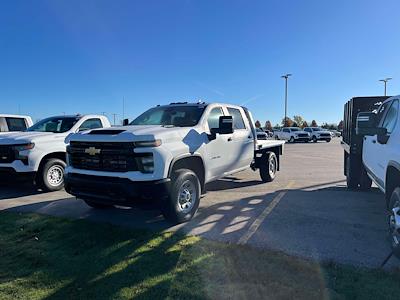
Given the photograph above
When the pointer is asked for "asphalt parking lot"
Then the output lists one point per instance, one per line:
(307, 211)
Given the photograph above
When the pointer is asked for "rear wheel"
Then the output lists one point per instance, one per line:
(394, 220)
(268, 167)
(184, 197)
(51, 175)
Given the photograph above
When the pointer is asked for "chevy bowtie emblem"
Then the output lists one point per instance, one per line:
(92, 151)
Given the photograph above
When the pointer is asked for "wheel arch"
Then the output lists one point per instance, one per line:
(59, 155)
(392, 178)
(191, 162)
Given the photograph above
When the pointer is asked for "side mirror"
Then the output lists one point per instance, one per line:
(225, 125)
(125, 122)
(382, 136)
(366, 123)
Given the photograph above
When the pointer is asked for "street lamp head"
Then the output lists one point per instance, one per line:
(286, 76)
(386, 79)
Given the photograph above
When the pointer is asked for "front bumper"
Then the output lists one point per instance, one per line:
(302, 139)
(324, 138)
(9, 174)
(115, 190)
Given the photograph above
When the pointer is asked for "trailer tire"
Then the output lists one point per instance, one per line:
(351, 179)
(268, 167)
(50, 177)
(184, 197)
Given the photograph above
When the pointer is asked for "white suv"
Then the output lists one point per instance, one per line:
(318, 134)
(292, 134)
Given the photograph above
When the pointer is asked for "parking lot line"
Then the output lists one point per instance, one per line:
(257, 222)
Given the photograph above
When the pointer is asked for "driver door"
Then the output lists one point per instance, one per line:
(375, 155)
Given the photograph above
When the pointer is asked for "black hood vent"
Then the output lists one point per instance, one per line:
(107, 131)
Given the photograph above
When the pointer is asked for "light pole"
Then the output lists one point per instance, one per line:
(286, 76)
(385, 82)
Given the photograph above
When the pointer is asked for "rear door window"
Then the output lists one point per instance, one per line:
(238, 122)
(16, 124)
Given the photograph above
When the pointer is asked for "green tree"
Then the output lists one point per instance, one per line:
(304, 125)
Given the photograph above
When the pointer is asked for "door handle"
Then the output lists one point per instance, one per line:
(230, 139)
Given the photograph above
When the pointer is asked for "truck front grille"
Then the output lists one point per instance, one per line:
(110, 157)
(7, 154)
(325, 135)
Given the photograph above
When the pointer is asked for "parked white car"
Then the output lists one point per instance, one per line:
(39, 152)
(292, 134)
(318, 134)
(11, 123)
(168, 153)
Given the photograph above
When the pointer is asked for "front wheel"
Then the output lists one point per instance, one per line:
(328, 141)
(394, 221)
(314, 139)
(291, 140)
(268, 167)
(51, 175)
(184, 197)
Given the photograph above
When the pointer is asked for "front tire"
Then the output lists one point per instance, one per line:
(268, 167)
(184, 197)
(51, 175)
(314, 139)
(328, 141)
(291, 140)
(394, 221)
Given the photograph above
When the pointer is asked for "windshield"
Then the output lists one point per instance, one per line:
(54, 124)
(317, 129)
(294, 129)
(180, 116)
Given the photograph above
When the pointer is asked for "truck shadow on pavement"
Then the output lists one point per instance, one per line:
(322, 223)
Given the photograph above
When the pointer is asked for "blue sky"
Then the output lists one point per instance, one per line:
(86, 56)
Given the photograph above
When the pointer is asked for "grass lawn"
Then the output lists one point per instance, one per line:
(52, 258)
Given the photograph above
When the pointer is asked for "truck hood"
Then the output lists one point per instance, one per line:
(300, 132)
(133, 133)
(28, 137)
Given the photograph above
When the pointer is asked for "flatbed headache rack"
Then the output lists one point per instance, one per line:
(351, 142)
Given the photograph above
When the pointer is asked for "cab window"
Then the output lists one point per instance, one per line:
(90, 124)
(16, 124)
(391, 117)
(213, 117)
(238, 122)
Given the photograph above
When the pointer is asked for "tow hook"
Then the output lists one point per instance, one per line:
(394, 223)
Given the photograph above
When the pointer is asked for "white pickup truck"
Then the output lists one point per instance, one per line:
(292, 134)
(318, 134)
(38, 153)
(371, 140)
(168, 153)
(10, 123)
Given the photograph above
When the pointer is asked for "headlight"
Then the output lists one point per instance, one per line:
(24, 147)
(145, 163)
(155, 143)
